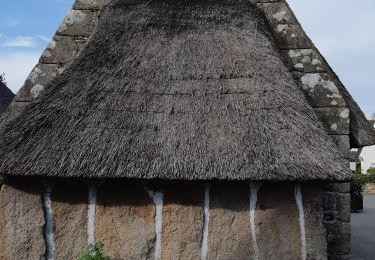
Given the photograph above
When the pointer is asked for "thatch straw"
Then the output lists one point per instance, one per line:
(174, 90)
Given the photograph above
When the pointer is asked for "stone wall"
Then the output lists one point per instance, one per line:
(321, 87)
(126, 220)
(69, 39)
(369, 189)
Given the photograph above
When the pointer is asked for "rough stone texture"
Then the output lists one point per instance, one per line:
(81, 42)
(125, 221)
(60, 50)
(316, 245)
(335, 119)
(337, 187)
(370, 189)
(338, 235)
(290, 36)
(78, 23)
(304, 60)
(278, 13)
(90, 4)
(229, 227)
(343, 207)
(277, 221)
(183, 217)
(69, 205)
(321, 91)
(41, 75)
(21, 220)
(337, 219)
(343, 143)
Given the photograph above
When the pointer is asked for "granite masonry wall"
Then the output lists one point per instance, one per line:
(321, 87)
(190, 220)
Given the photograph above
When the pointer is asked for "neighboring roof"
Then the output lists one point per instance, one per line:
(204, 96)
(6, 97)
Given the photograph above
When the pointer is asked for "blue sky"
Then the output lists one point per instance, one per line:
(344, 33)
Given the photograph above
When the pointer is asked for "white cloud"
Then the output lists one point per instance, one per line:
(19, 41)
(17, 67)
(43, 38)
(22, 41)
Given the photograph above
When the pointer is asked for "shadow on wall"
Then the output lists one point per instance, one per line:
(126, 219)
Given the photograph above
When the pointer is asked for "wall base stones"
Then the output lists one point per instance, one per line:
(182, 220)
(229, 225)
(21, 220)
(313, 199)
(69, 205)
(277, 221)
(125, 221)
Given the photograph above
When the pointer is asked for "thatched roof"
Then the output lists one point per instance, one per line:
(6, 97)
(174, 90)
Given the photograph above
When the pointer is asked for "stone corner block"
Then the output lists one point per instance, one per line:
(337, 187)
(321, 90)
(39, 78)
(60, 50)
(335, 119)
(278, 12)
(338, 238)
(78, 23)
(343, 143)
(304, 60)
(290, 36)
(90, 4)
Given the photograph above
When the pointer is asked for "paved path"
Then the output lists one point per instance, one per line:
(363, 231)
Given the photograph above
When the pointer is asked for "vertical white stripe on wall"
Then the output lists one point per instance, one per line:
(254, 188)
(48, 229)
(158, 199)
(91, 215)
(204, 248)
(299, 201)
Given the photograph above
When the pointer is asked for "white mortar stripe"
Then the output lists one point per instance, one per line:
(91, 215)
(299, 201)
(158, 199)
(254, 188)
(204, 248)
(48, 229)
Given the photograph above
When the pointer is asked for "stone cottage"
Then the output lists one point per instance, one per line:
(6, 97)
(179, 130)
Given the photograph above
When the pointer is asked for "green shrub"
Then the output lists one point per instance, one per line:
(94, 252)
(358, 184)
(371, 173)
